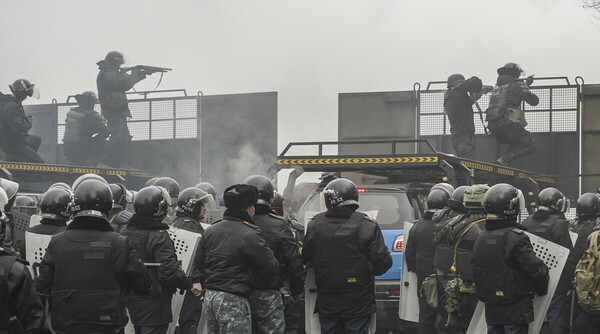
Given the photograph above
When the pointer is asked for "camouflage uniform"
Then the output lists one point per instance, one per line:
(226, 313)
(267, 311)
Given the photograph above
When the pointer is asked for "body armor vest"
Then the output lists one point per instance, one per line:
(542, 229)
(6, 263)
(464, 250)
(73, 126)
(496, 282)
(340, 263)
(497, 107)
(86, 294)
(444, 247)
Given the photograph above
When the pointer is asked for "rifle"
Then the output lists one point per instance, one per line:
(480, 112)
(147, 69)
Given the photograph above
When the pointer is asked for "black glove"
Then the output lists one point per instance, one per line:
(529, 80)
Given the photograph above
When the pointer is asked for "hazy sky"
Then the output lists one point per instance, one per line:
(308, 51)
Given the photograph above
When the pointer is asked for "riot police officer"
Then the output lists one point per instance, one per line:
(233, 255)
(118, 215)
(26, 205)
(85, 132)
(172, 188)
(7, 222)
(85, 296)
(420, 252)
(209, 188)
(191, 207)
(55, 206)
(458, 103)
(112, 83)
(148, 235)
(506, 270)
(505, 119)
(587, 210)
(347, 250)
(266, 303)
(15, 140)
(440, 218)
(549, 222)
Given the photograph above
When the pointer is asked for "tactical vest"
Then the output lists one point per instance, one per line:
(86, 295)
(496, 283)
(497, 107)
(542, 229)
(6, 311)
(340, 263)
(444, 249)
(73, 126)
(466, 242)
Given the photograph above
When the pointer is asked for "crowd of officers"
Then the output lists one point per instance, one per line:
(469, 246)
(86, 130)
(107, 265)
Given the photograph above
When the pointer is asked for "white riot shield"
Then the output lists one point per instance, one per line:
(35, 248)
(311, 320)
(34, 220)
(185, 243)
(555, 257)
(574, 237)
(409, 299)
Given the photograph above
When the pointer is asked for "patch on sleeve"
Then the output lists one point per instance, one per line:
(250, 225)
(276, 216)
(517, 231)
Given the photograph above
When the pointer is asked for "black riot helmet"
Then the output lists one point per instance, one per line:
(503, 201)
(11, 188)
(56, 204)
(551, 199)
(340, 192)
(86, 177)
(191, 200)
(151, 181)
(92, 198)
(456, 201)
(120, 195)
(510, 69)
(277, 204)
(23, 201)
(172, 187)
(87, 99)
(454, 80)
(264, 186)
(208, 188)
(114, 58)
(22, 88)
(588, 206)
(437, 199)
(152, 202)
(61, 185)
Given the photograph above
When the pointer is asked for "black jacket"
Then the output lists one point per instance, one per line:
(14, 124)
(233, 254)
(187, 223)
(507, 273)
(459, 106)
(49, 227)
(19, 298)
(347, 253)
(154, 245)
(86, 297)
(280, 239)
(83, 126)
(419, 249)
(112, 85)
(552, 227)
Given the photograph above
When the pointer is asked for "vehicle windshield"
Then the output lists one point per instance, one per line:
(390, 208)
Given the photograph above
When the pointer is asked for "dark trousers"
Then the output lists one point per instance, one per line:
(463, 143)
(117, 147)
(189, 316)
(23, 150)
(514, 329)
(558, 314)
(585, 323)
(86, 153)
(520, 141)
(151, 330)
(294, 317)
(427, 315)
(344, 326)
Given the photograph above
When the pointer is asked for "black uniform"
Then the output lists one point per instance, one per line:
(112, 84)
(191, 309)
(520, 141)
(85, 136)
(458, 105)
(49, 226)
(118, 219)
(507, 273)
(153, 244)
(419, 254)
(14, 138)
(18, 298)
(87, 270)
(347, 250)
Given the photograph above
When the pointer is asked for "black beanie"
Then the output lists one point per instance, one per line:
(240, 196)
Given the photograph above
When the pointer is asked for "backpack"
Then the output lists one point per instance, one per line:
(587, 277)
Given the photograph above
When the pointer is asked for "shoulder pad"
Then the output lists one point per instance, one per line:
(249, 225)
(276, 216)
(517, 231)
(370, 219)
